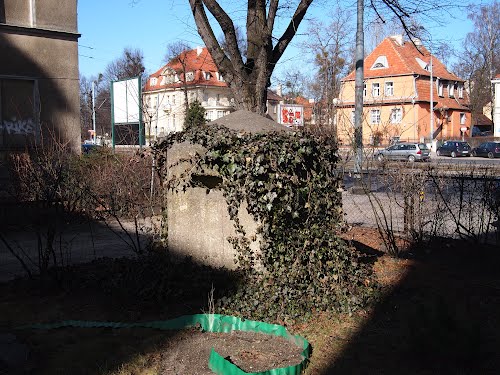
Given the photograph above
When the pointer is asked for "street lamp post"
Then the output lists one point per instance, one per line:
(94, 137)
(431, 99)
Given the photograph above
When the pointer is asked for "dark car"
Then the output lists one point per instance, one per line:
(405, 151)
(489, 149)
(454, 149)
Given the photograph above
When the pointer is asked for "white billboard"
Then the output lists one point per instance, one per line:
(126, 101)
(291, 115)
(126, 112)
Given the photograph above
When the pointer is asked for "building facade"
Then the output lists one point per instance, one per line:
(39, 77)
(397, 97)
(191, 76)
(496, 106)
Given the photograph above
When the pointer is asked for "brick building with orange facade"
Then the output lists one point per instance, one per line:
(397, 100)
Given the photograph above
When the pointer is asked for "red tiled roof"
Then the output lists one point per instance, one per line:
(401, 60)
(271, 95)
(198, 61)
(482, 119)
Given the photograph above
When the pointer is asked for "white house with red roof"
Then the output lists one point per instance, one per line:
(397, 96)
(194, 72)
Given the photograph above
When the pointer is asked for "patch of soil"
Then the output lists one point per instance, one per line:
(252, 352)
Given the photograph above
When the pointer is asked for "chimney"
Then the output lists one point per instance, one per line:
(398, 39)
(417, 42)
(199, 50)
(279, 90)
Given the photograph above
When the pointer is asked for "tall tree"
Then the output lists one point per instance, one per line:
(332, 46)
(129, 65)
(176, 56)
(480, 55)
(248, 77)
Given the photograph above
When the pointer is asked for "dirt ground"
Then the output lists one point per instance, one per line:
(438, 313)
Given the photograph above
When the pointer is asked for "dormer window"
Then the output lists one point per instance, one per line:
(440, 88)
(460, 91)
(207, 76)
(380, 63)
(219, 77)
(189, 76)
(423, 64)
(451, 89)
(153, 81)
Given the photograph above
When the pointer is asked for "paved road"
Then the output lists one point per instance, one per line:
(76, 243)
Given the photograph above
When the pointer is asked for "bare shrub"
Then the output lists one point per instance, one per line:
(126, 191)
(62, 189)
(423, 203)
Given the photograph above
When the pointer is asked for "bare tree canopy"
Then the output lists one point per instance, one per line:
(248, 78)
(129, 65)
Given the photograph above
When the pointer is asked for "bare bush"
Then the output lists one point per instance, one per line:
(423, 203)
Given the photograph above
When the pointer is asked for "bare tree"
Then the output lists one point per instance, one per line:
(176, 56)
(248, 77)
(332, 47)
(130, 64)
(480, 60)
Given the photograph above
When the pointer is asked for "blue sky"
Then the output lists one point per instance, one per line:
(109, 26)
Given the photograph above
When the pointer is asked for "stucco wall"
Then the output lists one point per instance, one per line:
(43, 14)
(53, 64)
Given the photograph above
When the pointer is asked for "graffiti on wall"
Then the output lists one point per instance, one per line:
(22, 127)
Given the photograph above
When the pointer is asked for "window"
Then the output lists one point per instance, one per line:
(460, 91)
(173, 99)
(353, 117)
(364, 89)
(153, 81)
(218, 98)
(463, 117)
(189, 76)
(207, 75)
(173, 120)
(380, 63)
(219, 77)
(396, 115)
(389, 88)
(423, 64)
(376, 89)
(451, 89)
(375, 116)
(440, 88)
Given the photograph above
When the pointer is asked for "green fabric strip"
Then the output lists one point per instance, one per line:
(209, 323)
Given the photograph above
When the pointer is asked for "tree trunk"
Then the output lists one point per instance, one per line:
(248, 79)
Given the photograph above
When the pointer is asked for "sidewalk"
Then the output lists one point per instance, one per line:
(77, 243)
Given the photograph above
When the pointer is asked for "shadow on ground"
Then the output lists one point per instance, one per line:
(120, 287)
(442, 317)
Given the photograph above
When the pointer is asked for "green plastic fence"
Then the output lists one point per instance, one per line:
(209, 323)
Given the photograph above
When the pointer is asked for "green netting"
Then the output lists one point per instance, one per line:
(209, 323)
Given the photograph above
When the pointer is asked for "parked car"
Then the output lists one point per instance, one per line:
(476, 132)
(405, 151)
(489, 149)
(454, 149)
